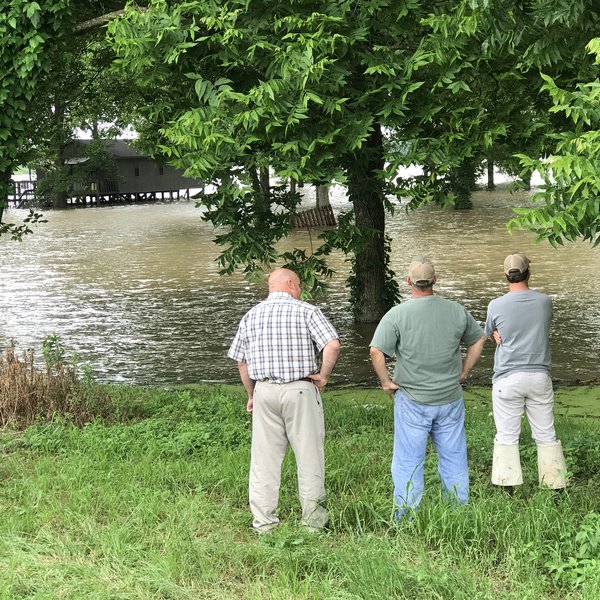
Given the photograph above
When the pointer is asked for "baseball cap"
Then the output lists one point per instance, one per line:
(516, 262)
(421, 271)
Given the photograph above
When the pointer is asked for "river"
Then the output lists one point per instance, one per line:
(135, 290)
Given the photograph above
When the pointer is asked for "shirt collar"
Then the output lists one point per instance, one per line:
(280, 295)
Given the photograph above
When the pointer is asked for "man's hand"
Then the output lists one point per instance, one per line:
(250, 404)
(389, 387)
(319, 380)
(496, 336)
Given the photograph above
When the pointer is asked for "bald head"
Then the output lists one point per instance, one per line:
(284, 280)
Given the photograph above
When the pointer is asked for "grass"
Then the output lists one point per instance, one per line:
(151, 503)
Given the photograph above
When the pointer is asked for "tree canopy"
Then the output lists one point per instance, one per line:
(53, 80)
(571, 193)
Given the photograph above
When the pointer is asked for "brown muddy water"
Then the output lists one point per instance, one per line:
(135, 290)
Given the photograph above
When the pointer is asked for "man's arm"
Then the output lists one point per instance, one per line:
(331, 353)
(473, 353)
(378, 360)
(248, 384)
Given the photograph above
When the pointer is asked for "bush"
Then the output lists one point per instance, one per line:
(28, 393)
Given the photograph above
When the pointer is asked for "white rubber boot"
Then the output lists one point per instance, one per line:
(506, 468)
(552, 468)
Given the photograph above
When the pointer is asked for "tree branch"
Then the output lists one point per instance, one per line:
(102, 19)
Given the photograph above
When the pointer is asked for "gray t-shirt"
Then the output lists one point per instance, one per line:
(425, 336)
(523, 321)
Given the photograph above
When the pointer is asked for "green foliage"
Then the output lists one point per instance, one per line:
(253, 221)
(581, 454)
(311, 269)
(54, 79)
(188, 424)
(570, 196)
(486, 60)
(306, 92)
(535, 65)
(31, 34)
(17, 232)
(578, 557)
(53, 351)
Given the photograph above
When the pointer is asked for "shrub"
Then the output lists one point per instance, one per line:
(28, 393)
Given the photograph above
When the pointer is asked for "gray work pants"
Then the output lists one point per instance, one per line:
(287, 413)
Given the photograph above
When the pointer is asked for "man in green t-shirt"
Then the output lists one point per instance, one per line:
(425, 334)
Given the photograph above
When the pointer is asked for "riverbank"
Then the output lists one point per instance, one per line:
(152, 503)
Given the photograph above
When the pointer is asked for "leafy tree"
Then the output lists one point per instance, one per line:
(81, 92)
(310, 89)
(31, 41)
(54, 78)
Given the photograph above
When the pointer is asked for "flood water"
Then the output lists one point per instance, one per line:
(135, 290)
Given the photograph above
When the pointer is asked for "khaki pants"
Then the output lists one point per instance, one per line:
(287, 413)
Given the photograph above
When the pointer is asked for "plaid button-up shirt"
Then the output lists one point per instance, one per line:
(279, 339)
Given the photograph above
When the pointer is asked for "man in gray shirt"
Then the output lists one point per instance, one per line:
(519, 321)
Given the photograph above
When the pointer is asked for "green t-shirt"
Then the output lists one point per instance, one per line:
(424, 334)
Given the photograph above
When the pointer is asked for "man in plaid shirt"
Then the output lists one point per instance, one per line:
(276, 347)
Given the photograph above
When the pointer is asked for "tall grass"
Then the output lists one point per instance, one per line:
(155, 507)
(28, 392)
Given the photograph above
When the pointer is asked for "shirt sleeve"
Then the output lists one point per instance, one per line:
(386, 336)
(321, 330)
(473, 331)
(237, 350)
(490, 325)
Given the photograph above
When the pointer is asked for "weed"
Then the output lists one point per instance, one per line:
(28, 393)
(578, 556)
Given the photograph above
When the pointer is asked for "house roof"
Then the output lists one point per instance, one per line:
(76, 150)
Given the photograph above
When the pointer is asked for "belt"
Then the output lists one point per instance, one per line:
(285, 382)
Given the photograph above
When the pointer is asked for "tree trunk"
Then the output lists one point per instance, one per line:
(292, 185)
(262, 202)
(59, 197)
(491, 186)
(265, 183)
(4, 187)
(462, 182)
(526, 179)
(322, 192)
(365, 191)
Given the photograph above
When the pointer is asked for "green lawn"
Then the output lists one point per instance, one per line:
(152, 504)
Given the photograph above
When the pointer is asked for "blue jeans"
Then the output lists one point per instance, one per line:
(413, 423)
